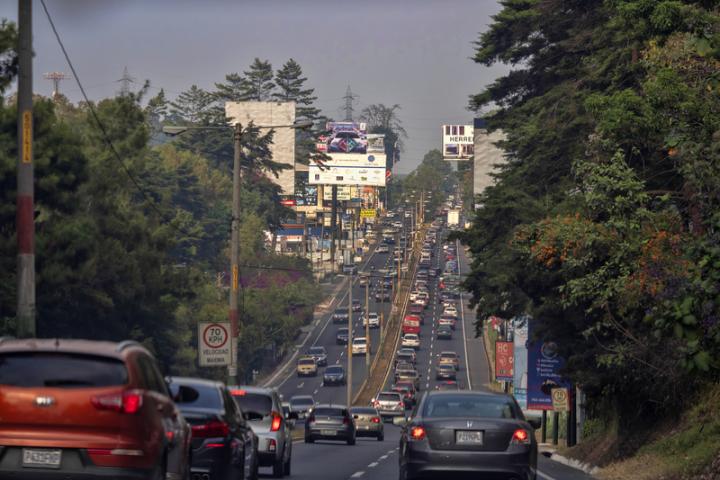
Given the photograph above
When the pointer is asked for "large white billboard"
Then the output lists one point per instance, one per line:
(458, 142)
(265, 114)
(350, 169)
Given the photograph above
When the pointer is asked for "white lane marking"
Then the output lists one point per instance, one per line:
(373, 464)
(357, 474)
(384, 457)
(342, 353)
(300, 385)
(315, 392)
(544, 475)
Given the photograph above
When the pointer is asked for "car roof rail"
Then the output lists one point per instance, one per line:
(126, 344)
(6, 338)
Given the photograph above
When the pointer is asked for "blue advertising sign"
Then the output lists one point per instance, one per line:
(520, 326)
(544, 364)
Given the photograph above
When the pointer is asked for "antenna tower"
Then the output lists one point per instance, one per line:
(349, 103)
(56, 78)
(125, 82)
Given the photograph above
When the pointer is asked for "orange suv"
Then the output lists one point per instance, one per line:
(84, 409)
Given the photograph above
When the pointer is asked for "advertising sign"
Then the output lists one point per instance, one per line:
(520, 358)
(283, 146)
(544, 364)
(350, 169)
(504, 361)
(367, 213)
(376, 143)
(346, 137)
(458, 142)
(344, 193)
(214, 348)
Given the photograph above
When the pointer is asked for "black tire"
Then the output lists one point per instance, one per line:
(381, 437)
(278, 468)
(351, 441)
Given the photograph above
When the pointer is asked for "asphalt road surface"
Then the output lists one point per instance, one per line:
(379, 460)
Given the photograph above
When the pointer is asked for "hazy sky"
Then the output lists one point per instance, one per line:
(415, 53)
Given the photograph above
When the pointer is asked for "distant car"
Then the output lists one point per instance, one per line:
(408, 375)
(448, 385)
(364, 280)
(407, 390)
(347, 142)
(301, 405)
(341, 337)
(450, 358)
(334, 375)
(87, 409)
(382, 248)
(368, 422)
(447, 321)
(223, 443)
(382, 295)
(410, 340)
(349, 268)
(271, 423)
(389, 404)
(451, 310)
(330, 422)
(340, 315)
(372, 320)
(306, 367)
(407, 355)
(445, 371)
(488, 435)
(319, 354)
(359, 346)
(356, 305)
(444, 332)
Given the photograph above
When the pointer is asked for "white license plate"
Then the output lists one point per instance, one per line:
(328, 433)
(41, 458)
(468, 437)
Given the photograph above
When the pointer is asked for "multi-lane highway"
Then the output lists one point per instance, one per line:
(379, 460)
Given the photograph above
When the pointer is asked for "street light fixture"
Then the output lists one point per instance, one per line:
(173, 130)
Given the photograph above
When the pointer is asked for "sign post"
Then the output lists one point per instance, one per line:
(504, 361)
(214, 345)
(560, 399)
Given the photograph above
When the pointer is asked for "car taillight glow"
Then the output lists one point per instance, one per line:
(375, 420)
(212, 429)
(417, 433)
(521, 437)
(276, 422)
(129, 401)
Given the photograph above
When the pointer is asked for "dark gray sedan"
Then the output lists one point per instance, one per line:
(330, 422)
(468, 432)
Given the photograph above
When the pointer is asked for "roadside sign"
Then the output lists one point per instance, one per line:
(214, 345)
(368, 213)
(560, 399)
(504, 361)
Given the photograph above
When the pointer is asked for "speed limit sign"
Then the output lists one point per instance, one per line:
(560, 399)
(214, 345)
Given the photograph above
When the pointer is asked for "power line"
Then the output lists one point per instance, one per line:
(104, 132)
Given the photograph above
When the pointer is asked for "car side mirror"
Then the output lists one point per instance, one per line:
(535, 423)
(400, 421)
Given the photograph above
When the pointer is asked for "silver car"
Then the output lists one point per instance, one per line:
(368, 422)
(274, 430)
(389, 404)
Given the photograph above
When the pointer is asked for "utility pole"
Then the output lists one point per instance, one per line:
(367, 326)
(25, 218)
(333, 226)
(234, 256)
(56, 78)
(350, 340)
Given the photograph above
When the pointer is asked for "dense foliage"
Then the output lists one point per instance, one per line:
(604, 222)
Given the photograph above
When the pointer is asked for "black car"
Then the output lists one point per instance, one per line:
(340, 315)
(319, 354)
(330, 422)
(334, 375)
(223, 444)
(341, 338)
(468, 432)
(444, 332)
(382, 295)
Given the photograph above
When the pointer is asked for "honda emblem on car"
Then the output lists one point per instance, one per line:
(469, 424)
(44, 401)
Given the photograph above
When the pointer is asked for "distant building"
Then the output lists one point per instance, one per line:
(487, 156)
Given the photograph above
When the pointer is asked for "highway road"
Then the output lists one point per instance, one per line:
(379, 460)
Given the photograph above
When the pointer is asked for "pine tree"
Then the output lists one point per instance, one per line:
(193, 105)
(290, 82)
(254, 84)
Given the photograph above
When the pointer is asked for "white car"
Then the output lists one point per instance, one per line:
(382, 249)
(410, 340)
(450, 310)
(359, 346)
(372, 320)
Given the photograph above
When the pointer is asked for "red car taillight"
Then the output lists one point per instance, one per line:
(276, 422)
(375, 420)
(417, 433)
(129, 401)
(212, 429)
(520, 437)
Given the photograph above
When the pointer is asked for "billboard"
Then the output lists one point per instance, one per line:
(520, 358)
(350, 169)
(344, 193)
(487, 156)
(544, 364)
(504, 361)
(376, 143)
(283, 146)
(458, 142)
(345, 137)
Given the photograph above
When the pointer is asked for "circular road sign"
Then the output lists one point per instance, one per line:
(215, 335)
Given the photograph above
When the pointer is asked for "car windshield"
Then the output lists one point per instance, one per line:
(469, 406)
(363, 411)
(61, 370)
(254, 402)
(317, 350)
(341, 311)
(301, 401)
(208, 396)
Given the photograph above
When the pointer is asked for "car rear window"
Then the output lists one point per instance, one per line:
(334, 370)
(254, 402)
(329, 412)
(61, 370)
(389, 397)
(464, 406)
(306, 361)
(317, 350)
(208, 396)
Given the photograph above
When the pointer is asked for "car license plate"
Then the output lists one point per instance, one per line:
(35, 458)
(328, 433)
(467, 437)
